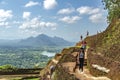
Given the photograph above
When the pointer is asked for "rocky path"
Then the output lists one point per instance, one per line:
(81, 75)
(87, 76)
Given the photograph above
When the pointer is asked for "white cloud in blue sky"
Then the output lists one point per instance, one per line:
(68, 19)
(26, 15)
(32, 3)
(49, 4)
(62, 18)
(4, 16)
(35, 23)
(97, 18)
(95, 14)
(66, 11)
(88, 10)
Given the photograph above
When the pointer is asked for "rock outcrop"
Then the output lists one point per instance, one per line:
(61, 62)
(103, 57)
(104, 52)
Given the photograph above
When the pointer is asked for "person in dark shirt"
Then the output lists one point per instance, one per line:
(81, 59)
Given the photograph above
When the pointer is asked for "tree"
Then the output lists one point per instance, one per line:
(113, 7)
(7, 67)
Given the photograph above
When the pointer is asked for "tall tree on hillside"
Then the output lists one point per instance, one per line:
(113, 7)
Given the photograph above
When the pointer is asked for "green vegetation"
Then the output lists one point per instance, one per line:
(107, 42)
(33, 79)
(113, 7)
(7, 67)
(25, 57)
(67, 58)
(104, 50)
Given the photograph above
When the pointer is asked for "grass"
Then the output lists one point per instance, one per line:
(17, 78)
(33, 79)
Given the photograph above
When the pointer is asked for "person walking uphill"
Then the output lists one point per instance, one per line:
(84, 43)
(81, 59)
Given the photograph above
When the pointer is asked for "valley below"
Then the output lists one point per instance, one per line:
(27, 57)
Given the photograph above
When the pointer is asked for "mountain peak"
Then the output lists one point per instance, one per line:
(44, 40)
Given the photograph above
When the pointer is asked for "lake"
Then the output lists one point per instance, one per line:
(49, 54)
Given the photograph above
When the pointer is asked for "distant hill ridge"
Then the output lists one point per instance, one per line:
(38, 41)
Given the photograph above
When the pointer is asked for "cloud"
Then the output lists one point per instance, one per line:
(26, 15)
(35, 24)
(95, 14)
(16, 22)
(29, 33)
(49, 4)
(4, 16)
(5, 24)
(84, 10)
(94, 11)
(31, 3)
(66, 11)
(88, 10)
(97, 18)
(68, 19)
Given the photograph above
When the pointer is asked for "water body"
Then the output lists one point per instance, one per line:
(49, 54)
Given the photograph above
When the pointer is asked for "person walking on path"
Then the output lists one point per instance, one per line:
(83, 45)
(81, 59)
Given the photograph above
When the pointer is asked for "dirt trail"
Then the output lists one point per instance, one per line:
(81, 75)
(55, 61)
(87, 76)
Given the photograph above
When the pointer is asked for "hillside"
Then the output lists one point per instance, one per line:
(107, 42)
(65, 63)
(104, 51)
(61, 72)
(103, 57)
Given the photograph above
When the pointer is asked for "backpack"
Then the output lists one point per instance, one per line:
(81, 55)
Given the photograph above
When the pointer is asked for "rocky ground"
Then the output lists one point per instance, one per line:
(69, 66)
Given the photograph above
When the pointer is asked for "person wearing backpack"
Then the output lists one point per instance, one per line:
(84, 45)
(81, 59)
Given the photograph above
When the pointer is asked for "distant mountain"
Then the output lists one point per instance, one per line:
(7, 43)
(44, 40)
(38, 41)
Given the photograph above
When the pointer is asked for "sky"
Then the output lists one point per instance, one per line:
(68, 19)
